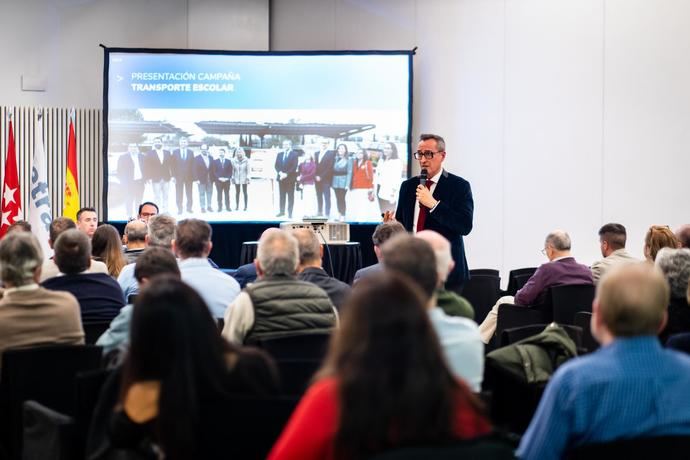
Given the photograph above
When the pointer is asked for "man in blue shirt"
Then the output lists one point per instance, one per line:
(631, 387)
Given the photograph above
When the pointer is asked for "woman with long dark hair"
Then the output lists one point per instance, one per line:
(106, 247)
(385, 382)
(177, 372)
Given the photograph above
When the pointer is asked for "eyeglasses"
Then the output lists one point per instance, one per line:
(543, 251)
(428, 154)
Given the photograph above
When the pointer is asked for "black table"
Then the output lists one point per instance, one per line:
(347, 258)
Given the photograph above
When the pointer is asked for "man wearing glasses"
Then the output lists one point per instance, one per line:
(442, 203)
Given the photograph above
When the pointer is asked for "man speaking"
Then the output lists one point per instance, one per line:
(437, 200)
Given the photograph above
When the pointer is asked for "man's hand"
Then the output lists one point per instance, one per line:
(424, 197)
(282, 175)
(318, 178)
(389, 216)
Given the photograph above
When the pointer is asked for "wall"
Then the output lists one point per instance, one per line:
(57, 41)
(561, 113)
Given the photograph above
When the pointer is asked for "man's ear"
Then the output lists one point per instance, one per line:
(173, 246)
(321, 251)
(210, 246)
(377, 251)
(664, 321)
(259, 271)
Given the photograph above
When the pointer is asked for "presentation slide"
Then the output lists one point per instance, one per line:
(238, 137)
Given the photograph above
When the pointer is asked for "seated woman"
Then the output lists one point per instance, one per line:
(657, 237)
(178, 373)
(384, 383)
(106, 247)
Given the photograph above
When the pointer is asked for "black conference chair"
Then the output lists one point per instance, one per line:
(583, 319)
(492, 447)
(510, 336)
(305, 346)
(511, 316)
(482, 290)
(517, 278)
(45, 374)
(666, 447)
(569, 299)
(93, 330)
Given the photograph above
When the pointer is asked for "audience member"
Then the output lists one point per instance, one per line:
(100, 297)
(160, 233)
(561, 269)
(87, 221)
(49, 269)
(450, 302)
(375, 393)
(106, 247)
(630, 387)
(192, 245)
(683, 236)
(612, 243)
(177, 374)
(279, 304)
(30, 314)
(246, 273)
(675, 265)
(657, 237)
(147, 210)
(309, 269)
(19, 226)
(134, 239)
(152, 262)
(382, 233)
(459, 337)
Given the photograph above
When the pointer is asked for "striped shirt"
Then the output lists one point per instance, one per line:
(631, 388)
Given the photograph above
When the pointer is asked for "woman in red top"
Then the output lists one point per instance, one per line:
(362, 204)
(384, 383)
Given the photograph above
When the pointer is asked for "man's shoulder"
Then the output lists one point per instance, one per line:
(454, 178)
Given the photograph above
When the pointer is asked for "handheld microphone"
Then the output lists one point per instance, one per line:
(423, 175)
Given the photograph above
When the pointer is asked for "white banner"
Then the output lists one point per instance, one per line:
(39, 197)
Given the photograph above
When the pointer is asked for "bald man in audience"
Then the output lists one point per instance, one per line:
(134, 239)
(49, 269)
(612, 243)
(450, 302)
(561, 269)
(309, 269)
(246, 273)
(631, 387)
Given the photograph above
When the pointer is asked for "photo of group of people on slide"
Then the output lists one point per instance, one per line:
(350, 180)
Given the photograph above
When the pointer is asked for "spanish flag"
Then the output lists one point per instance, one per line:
(71, 203)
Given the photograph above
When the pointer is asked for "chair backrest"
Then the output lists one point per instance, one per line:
(484, 271)
(305, 346)
(511, 316)
(45, 374)
(296, 375)
(662, 447)
(510, 336)
(567, 300)
(583, 319)
(517, 278)
(485, 447)
(93, 330)
(482, 291)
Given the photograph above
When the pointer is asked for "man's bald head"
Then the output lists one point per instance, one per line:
(135, 232)
(441, 247)
(309, 248)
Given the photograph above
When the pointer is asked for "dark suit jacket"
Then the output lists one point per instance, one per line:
(558, 272)
(452, 218)
(183, 171)
(225, 171)
(245, 274)
(337, 291)
(100, 297)
(125, 168)
(366, 271)
(324, 166)
(287, 162)
(201, 172)
(155, 170)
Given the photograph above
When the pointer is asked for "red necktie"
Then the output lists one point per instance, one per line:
(423, 210)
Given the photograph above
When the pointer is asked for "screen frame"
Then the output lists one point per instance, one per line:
(106, 69)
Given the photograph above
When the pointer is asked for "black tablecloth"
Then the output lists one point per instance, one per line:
(347, 258)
